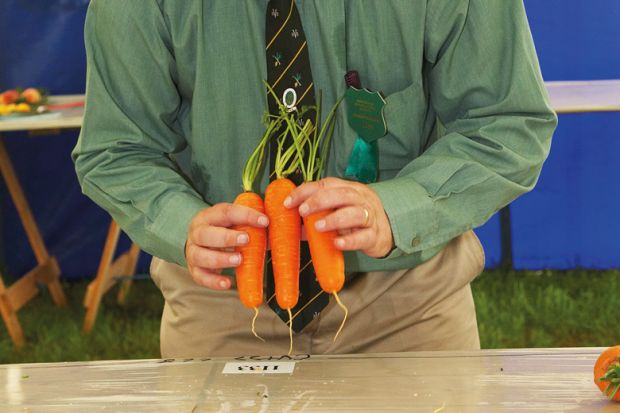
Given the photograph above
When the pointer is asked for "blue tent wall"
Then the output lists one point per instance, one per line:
(569, 220)
(45, 49)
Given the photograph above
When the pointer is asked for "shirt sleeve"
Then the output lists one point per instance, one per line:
(123, 155)
(485, 87)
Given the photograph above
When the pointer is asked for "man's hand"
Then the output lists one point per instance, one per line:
(210, 242)
(358, 214)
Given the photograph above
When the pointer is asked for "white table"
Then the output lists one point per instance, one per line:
(585, 96)
(47, 271)
(544, 380)
(61, 119)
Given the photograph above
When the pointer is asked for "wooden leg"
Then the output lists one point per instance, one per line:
(130, 269)
(17, 194)
(103, 278)
(47, 270)
(9, 315)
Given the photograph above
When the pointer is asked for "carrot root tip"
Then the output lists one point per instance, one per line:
(346, 313)
(290, 331)
(254, 325)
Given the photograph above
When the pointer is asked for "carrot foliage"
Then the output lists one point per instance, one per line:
(255, 161)
(612, 377)
(305, 137)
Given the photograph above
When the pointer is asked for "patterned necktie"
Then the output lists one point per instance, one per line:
(288, 73)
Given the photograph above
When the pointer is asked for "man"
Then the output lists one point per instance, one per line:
(175, 97)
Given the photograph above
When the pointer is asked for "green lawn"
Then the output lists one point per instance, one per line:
(516, 309)
(548, 309)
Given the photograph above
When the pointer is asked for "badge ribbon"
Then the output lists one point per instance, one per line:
(365, 116)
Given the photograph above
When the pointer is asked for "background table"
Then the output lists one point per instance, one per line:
(585, 96)
(566, 97)
(68, 117)
(62, 119)
(545, 380)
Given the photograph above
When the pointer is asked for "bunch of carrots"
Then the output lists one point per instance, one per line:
(285, 224)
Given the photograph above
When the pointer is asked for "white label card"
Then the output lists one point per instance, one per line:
(259, 367)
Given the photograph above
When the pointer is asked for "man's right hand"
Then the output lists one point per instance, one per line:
(210, 242)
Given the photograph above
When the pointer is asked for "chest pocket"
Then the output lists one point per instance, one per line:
(405, 115)
(385, 45)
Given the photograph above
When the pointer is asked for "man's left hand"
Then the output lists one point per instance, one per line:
(358, 215)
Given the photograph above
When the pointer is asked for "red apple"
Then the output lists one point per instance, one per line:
(32, 95)
(8, 97)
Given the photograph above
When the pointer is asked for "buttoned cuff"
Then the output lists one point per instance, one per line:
(410, 210)
(170, 227)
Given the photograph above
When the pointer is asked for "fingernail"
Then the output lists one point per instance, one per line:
(223, 284)
(243, 239)
(263, 221)
(288, 201)
(320, 224)
(303, 209)
(235, 259)
(340, 243)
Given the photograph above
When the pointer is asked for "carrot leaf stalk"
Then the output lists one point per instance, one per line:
(255, 161)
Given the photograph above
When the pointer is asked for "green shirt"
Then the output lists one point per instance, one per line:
(175, 97)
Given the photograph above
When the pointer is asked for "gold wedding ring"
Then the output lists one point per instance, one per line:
(366, 217)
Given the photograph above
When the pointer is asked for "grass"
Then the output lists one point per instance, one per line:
(55, 334)
(515, 310)
(548, 309)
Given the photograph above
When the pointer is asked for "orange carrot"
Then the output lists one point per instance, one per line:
(284, 224)
(249, 273)
(607, 372)
(284, 237)
(328, 261)
(285, 228)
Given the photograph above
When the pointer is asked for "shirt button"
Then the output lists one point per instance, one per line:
(415, 242)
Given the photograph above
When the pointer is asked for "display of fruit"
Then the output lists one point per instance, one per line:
(8, 97)
(22, 101)
(32, 95)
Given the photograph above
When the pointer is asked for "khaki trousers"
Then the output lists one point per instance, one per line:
(429, 307)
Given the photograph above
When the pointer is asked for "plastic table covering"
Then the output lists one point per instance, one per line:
(541, 380)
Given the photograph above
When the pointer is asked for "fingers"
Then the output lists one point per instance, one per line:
(306, 190)
(227, 215)
(357, 214)
(210, 279)
(332, 198)
(362, 240)
(213, 259)
(346, 218)
(211, 242)
(217, 237)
